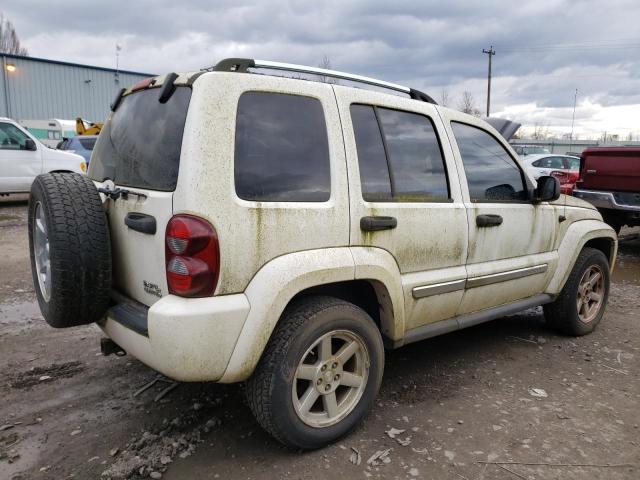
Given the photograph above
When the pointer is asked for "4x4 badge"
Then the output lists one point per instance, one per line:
(152, 288)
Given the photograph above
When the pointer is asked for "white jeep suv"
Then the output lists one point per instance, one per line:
(241, 226)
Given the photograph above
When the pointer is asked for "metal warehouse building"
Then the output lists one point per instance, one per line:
(39, 89)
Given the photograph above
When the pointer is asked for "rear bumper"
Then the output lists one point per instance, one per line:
(601, 199)
(187, 339)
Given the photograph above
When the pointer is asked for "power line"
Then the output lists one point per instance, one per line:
(615, 44)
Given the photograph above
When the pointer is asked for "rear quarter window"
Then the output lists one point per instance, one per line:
(281, 149)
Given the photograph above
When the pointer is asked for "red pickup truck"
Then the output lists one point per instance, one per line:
(610, 180)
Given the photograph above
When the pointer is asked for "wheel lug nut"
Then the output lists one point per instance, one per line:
(327, 387)
(335, 365)
(319, 381)
(323, 368)
(336, 378)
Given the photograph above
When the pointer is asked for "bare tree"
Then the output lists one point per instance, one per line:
(467, 104)
(325, 63)
(9, 41)
(540, 132)
(445, 99)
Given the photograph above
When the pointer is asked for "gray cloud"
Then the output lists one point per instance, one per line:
(545, 49)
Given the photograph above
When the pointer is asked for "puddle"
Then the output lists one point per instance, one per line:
(17, 316)
(627, 269)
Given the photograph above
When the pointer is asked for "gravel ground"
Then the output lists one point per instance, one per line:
(504, 400)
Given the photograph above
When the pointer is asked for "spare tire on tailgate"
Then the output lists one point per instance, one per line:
(70, 249)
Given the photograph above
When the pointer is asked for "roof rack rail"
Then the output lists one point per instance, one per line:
(243, 64)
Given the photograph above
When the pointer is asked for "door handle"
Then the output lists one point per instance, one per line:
(375, 224)
(141, 222)
(488, 220)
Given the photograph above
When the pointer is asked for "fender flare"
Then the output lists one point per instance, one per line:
(576, 237)
(281, 279)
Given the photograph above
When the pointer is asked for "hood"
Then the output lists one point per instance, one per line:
(570, 201)
(507, 128)
(61, 155)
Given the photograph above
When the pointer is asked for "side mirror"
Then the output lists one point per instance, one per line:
(29, 144)
(548, 189)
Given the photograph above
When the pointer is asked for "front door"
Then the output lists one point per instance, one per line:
(510, 255)
(18, 165)
(405, 198)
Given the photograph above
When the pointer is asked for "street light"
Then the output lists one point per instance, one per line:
(10, 67)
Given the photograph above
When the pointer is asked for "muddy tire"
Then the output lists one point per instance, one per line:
(319, 374)
(69, 248)
(583, 300)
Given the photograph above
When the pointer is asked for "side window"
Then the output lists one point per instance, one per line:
(11, 138)
(399, 156)
(281, 150)
(555, 162)
(538, 163)
(572, 163)
(491, 172)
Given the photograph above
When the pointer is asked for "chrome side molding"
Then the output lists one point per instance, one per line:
(448, 287)
(505, 276)
(438, 288)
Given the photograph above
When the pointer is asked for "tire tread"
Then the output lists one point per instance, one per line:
(80, 248)
(259, 388)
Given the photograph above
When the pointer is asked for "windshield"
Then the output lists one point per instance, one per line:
(140, 144)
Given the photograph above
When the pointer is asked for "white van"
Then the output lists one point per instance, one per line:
(23, 157)
(50, 132)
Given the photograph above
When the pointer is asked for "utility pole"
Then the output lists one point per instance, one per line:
(573, 117)
(491, 52)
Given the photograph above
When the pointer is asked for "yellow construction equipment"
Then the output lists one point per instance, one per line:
(84, 127)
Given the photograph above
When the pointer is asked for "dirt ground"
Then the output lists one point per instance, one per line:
(504, 400)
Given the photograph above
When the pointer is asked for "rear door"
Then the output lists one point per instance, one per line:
(402, 172)
(139, 150)
(511, 239)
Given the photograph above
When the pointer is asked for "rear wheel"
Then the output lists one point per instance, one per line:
(581, 304)
(69, 248)
(319, 374)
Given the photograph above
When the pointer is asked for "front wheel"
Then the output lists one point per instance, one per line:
(582, 302)
(319, 374)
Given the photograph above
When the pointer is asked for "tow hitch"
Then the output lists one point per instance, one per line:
(108, 347)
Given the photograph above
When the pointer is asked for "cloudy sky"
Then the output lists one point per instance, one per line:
(545, 49)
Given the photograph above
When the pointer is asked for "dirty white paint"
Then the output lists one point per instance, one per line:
(253, 233)
(273, 286)
(270, 251)
(577, 234)
(189, 339)
(139, 257)
(430, 240)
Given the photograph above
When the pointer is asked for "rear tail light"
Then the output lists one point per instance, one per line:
(581, 171)
(562, 176)
(192, 256)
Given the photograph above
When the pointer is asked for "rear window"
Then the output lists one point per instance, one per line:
(140, 145)
(87, 143)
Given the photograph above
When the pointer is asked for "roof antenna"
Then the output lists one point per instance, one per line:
(563, 217)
